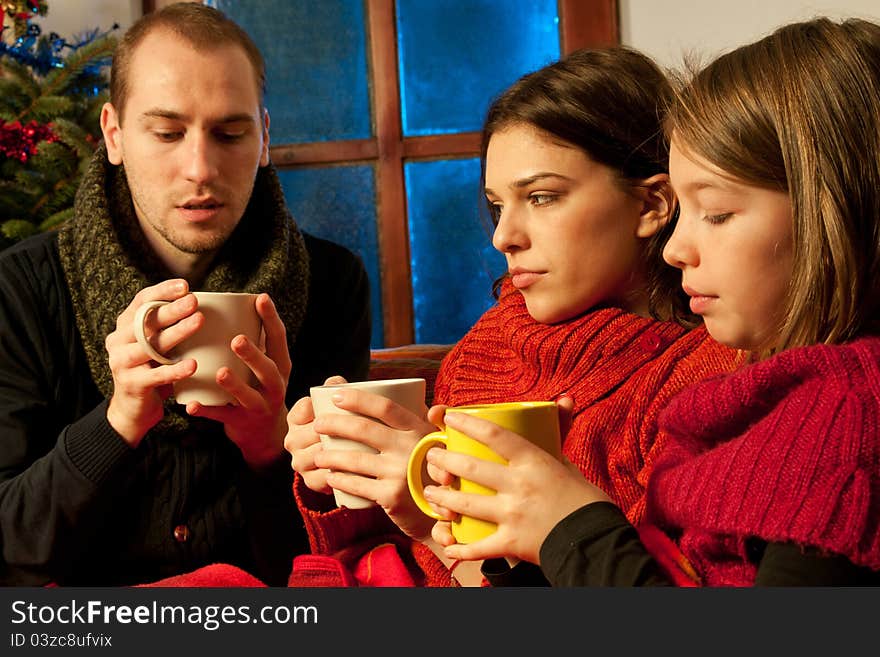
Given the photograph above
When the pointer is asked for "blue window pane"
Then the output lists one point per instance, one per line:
(316, 65)
(452, 259)
(339, 204)
(456, 55)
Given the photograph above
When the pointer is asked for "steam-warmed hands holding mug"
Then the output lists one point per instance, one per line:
(534, 491)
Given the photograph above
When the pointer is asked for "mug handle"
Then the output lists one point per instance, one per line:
(414, 471)
(140, 317)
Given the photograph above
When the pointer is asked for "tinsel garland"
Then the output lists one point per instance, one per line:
(19, 141)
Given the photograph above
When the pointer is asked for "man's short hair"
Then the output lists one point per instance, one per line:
(206, 28)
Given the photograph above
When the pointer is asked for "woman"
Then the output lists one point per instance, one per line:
(771, 474)
(575, 170)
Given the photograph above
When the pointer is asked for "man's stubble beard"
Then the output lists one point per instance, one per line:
(207, 243)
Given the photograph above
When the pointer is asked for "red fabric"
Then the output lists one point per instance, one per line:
(218, 575)
(359, 565)
(318, 570)
(666, 553)
(620, 369)
(787, 449)
(382, 566)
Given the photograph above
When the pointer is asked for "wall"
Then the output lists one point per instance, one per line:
(669, 29)
(71, 17)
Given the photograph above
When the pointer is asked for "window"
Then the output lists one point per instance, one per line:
(375, 110)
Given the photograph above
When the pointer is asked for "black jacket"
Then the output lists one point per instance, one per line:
(79, 507)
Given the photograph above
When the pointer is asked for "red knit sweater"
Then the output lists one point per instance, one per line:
(620, 369)
(787, 449)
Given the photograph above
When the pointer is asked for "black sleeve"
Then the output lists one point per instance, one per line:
(499, 573)
(597, 546)
(57, 450)
(335, 335)
(787, 564)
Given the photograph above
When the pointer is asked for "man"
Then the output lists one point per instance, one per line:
(104, 479)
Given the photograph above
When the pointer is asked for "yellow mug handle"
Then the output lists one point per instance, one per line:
(414, 469)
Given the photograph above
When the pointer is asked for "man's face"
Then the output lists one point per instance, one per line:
(192, 140)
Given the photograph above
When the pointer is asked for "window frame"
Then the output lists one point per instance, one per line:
(582, 24)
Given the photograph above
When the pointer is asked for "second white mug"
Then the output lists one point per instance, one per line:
(409, 393)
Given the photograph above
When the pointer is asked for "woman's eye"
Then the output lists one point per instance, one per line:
(542, 199)
(718, 218)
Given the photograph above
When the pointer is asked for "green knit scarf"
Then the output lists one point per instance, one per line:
(106, 261)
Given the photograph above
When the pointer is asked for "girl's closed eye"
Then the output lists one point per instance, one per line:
(718, 218)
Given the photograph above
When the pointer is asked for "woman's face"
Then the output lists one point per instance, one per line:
(571, 233)
(733, 244)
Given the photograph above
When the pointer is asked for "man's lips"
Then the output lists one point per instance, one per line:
(200, 209)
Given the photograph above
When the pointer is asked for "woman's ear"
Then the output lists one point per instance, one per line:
(658, 204)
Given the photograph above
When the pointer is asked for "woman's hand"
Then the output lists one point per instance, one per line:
(303, 442)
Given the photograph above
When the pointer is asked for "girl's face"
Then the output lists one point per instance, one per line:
(733, 243)
(570, 231)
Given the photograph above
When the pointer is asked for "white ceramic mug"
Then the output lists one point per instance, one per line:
(227, 314)
(409, 393)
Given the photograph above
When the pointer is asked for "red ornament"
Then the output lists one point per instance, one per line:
(20, 142)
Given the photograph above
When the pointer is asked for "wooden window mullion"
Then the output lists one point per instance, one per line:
(588, 24)
(393, 232)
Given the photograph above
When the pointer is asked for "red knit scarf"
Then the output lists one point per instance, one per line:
(785, 450)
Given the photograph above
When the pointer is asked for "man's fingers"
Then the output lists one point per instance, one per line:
(276, 335)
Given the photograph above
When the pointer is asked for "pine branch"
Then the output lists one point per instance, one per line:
(21, 75)
(18, 229)
(74, 136)
(58, 80)
(49, 108)
(71, 179)
(57, 219)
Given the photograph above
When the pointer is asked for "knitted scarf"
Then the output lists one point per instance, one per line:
(786, 450)
(106, 261)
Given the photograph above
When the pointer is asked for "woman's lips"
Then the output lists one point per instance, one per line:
(524, 279)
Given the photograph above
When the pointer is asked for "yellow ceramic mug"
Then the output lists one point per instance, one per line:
(537, 422)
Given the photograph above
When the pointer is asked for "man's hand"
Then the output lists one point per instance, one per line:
(258, 423)
(140, 385)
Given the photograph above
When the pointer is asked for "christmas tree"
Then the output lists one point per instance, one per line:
(51, 93)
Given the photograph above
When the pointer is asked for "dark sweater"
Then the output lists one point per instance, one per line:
(79, 507)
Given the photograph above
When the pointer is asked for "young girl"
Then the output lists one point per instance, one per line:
(575, 170)
(772, 474)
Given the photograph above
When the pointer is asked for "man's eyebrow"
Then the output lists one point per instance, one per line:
(525, 182)
(158, 113)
